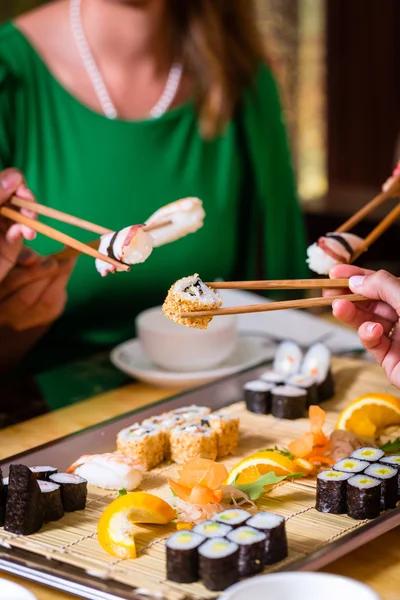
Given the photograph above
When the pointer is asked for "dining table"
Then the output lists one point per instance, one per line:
(377, 563)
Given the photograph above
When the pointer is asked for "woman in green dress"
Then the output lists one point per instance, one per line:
(113, 108)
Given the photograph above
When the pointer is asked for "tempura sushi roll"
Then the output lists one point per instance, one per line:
(332, 249)
(307, 383)
(235, 517)
(43, 472)
(288, 402)
(131, 245)
(190, 413)
(187, 295)
(369, 454)
(288, 358)
(25, 504)
(53, 506)
(251, 544)
(257, 396)
(332, 492)
(146, 445)
(211, 529)
(218, 563)
(164, 423)
(363, 497)
(388, 476)
(182, 556)
(273, 377)
(73, 490)
(393, 461)
(2, 500)
(227, 429)
(351, 465)
(192, 440)
(317, 364)
(273, 526)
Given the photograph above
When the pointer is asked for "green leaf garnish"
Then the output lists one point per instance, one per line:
(122, 492)
(392, 447)
(256, 489)
(283, 451)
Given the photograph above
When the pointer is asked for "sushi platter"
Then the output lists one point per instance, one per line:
(66, 554)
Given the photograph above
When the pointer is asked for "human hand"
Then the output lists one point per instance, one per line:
(377, 320)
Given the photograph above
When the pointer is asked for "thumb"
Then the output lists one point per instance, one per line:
(378, 286)
(10, 180)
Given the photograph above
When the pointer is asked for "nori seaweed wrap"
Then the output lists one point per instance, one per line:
(331, 492)
(251, 544)
(273, 526)
(53, 506)
(388, 476)
(218, 564)
(25, 504)
(182, 556)
(73, 490)
(363, 497)
(2, 500)
(288, 402)
(257, 395)
(393, 461)
(43, 472)
(307, 383)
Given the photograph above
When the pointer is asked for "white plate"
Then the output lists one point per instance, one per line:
(12, 591)
(129, 358)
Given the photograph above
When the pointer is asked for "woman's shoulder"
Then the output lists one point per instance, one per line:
(263, 89)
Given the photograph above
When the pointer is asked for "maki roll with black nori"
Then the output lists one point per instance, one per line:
(5, 490)
(218, 564)
(393, 461)
(2, 500)
(53, 506)
(369, 454)
(307, 383)
(211, 529)
(332, 492)
(363, 497)
(235, 517)
(273, 526)
(257, 395)
(317, 364)
(182, 556)
(43, 472)
(288, 358)
(251, 544)
(25, 504)
(388, 477)
(273, 377)
(351, 465)
(73, 490)
(288, 402)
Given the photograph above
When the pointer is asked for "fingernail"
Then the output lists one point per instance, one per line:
(10, 181)
(370, 327)
(356, 281)
(48, 262)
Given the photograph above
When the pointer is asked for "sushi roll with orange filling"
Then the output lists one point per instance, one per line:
(317, 364)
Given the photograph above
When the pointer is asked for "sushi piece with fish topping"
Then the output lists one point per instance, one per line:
(73, 490)
(110, 471)
(288, 358)
(187, 295)
(332, 491)
(235, 517)
(53, 506)
(43, 472)
(182, 556)
(288, 402)
(274, 528)
(251, 544)
(146, 445)
(186, 216)
(227, 429)
(363, 497)
(351, 465)
(332, 249)
(369, 454)
(393, 461)
(317, 364)
(131, 245)
(25, 505)
(257, 395)
(218, 564)
(388, 477)
(192, 440)
(307, 383)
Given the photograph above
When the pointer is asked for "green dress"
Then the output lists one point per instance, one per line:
(116, 173)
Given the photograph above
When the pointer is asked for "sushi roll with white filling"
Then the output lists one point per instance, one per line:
(388, 476)
(332, 492)
(218, 564)
(73, 490)
(251, 544)
(393, 461)
(146, 445)
(307, 383)
(43, 472)
(273, 526)
(227, 429)
(235, 517)
(53, 506)
(131, 245)
(351, 465)
(369, 454)
(363, 497)
(273, 377)
(317, 364)
(192, 440)
(332, 249)
(211, 529)
(190, 413)
(288, 402)
(182, 556)
(257, 395)
(288, 358)
(187, 295)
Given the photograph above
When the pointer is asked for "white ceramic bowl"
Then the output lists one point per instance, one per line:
(12, 591)
(299, 586)
(178, 348)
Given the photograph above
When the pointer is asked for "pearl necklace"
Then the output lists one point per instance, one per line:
(97, 80)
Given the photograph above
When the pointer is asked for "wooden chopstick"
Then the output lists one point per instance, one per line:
(280, 284)
(14, 215)
(376, 233)
(284, 305)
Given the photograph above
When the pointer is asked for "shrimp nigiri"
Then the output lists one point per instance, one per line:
(110, 471)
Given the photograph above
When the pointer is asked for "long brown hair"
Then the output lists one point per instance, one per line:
(222, 47)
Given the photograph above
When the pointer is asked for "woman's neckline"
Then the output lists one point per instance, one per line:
(172, 113)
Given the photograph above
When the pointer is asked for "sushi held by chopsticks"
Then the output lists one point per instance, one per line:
(187, 295)
(332, 249)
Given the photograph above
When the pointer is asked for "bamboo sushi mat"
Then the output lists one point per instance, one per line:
(73, 539)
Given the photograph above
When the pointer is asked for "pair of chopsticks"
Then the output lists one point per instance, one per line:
(74, 246)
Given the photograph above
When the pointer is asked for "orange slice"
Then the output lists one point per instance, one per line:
(367, 415)
(264, 462)
(116, 530)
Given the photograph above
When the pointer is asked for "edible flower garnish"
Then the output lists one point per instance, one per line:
(200, 481)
